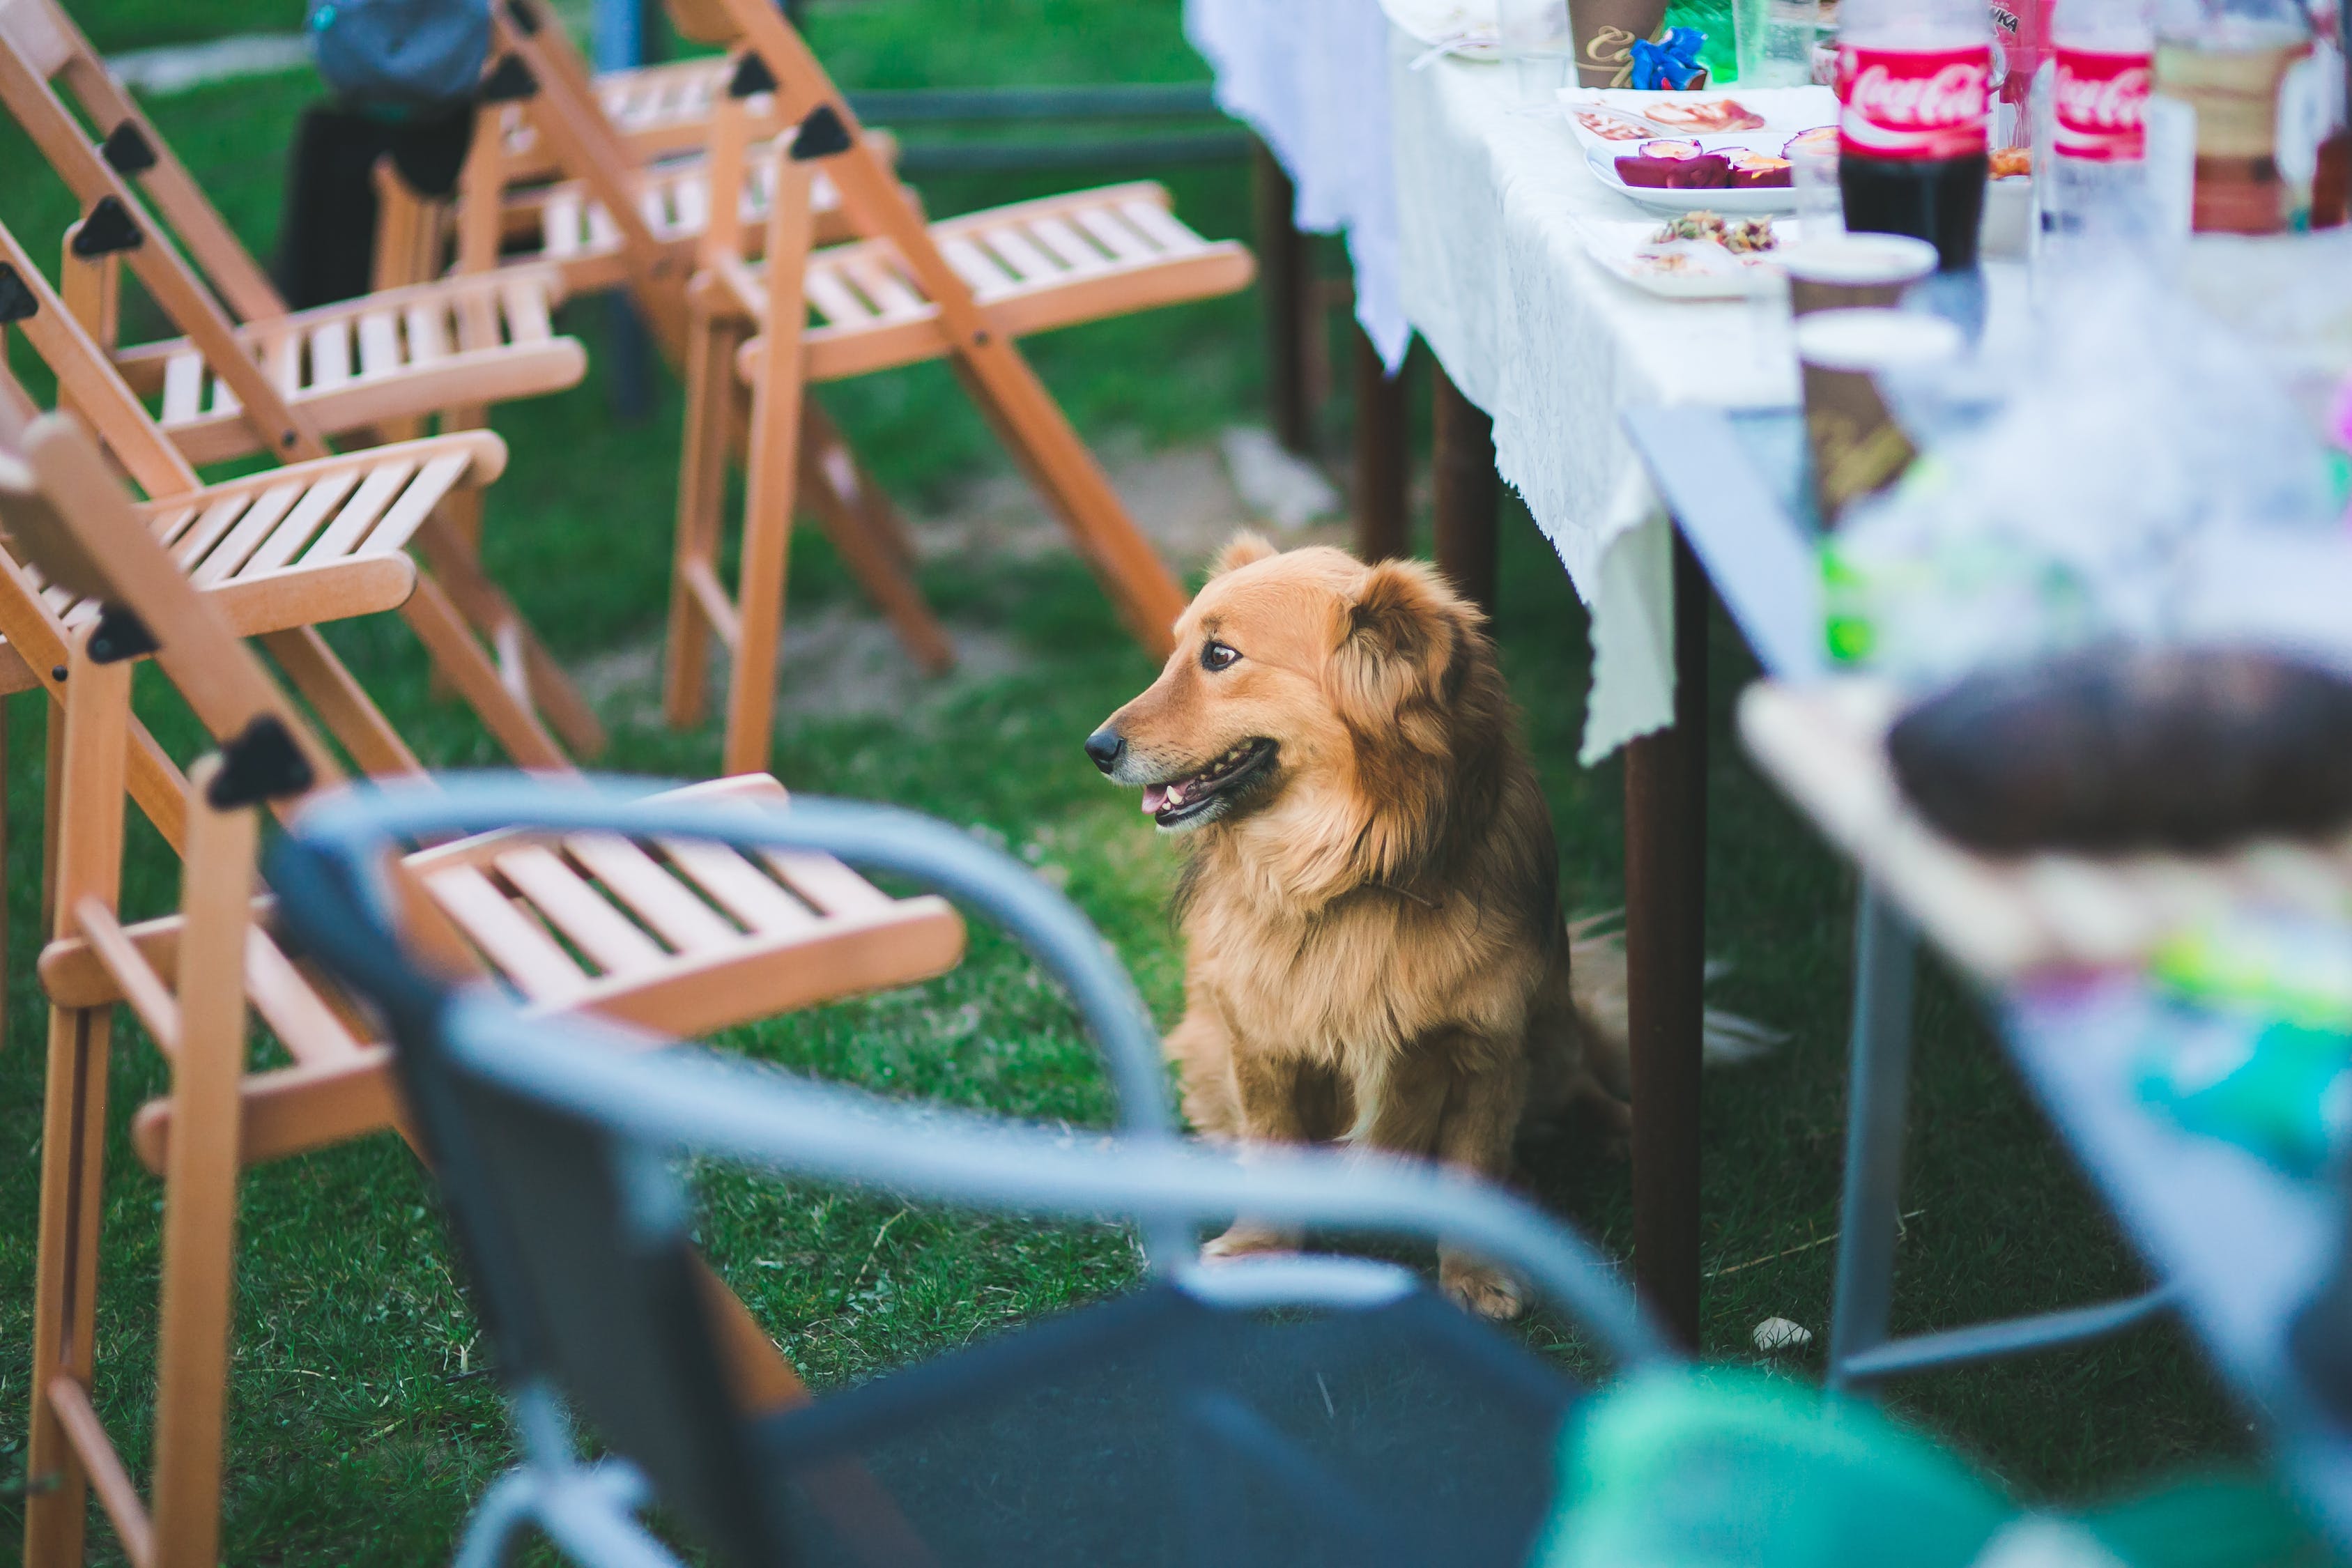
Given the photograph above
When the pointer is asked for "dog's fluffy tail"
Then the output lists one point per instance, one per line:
(1597, 976)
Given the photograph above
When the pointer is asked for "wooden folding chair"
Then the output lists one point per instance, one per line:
(248, 374)
(666, 215)
(509, 684)
(964, 288)
(694, 938)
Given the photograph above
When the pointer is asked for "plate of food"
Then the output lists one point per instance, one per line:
(1746, 173)
(1657, 147)
(1698, 255)
(1611, 114)
(1466, 29)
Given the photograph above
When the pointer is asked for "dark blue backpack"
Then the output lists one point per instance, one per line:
(401, 54)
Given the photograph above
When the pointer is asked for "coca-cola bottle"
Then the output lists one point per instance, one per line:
(2093, 136)
(1914, 78)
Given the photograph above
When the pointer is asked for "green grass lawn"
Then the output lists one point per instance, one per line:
(361, 1423)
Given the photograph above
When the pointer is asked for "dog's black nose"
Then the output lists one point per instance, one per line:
(1106, 746)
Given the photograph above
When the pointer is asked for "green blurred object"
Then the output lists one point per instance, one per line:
(2295, 968)
(1712, 18)
(2278, 1089)
(1713, 1467)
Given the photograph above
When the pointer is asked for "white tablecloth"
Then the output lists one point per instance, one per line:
(1310, 77)
(1530, 328)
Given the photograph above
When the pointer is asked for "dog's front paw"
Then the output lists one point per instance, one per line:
(1245, 1238)
(1480, 1288)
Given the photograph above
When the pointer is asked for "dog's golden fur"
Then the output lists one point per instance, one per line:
(1375, 947)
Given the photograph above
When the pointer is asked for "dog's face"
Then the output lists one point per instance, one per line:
(1281, 663)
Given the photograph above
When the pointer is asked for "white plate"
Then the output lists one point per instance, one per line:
(1618, 246)
(1786, 110)
(1746, 202)
(1436, 22)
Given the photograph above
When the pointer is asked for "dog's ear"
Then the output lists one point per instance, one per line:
(1243, 548)
(1402, 641)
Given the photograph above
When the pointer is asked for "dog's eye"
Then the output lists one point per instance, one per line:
(1217, 656)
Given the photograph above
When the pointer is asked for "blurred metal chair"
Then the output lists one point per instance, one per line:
(1290, 1410)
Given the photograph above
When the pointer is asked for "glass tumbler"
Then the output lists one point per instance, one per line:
(1774, 40)
(1537, 45)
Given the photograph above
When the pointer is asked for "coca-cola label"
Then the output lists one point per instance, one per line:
(2101, 102)
(1917, 105)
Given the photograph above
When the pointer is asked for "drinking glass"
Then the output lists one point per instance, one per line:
(1814, 171)
(1774, 41)
(1537, 42)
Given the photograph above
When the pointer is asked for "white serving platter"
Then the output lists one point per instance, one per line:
(1623, 249)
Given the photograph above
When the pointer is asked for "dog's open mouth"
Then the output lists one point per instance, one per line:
(1196, 796)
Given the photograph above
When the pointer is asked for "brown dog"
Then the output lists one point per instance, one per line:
(1371, 910)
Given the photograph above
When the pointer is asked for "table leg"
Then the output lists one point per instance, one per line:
(1468, 493)
(1878, 1092)
(1382, 456)
(1285, 280)
(1665, 951)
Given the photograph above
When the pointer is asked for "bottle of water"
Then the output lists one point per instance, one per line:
(2091, 128)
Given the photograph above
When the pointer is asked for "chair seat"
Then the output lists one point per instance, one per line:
(398, 354)
(298, 546)
(576, 232)
(660, 110)
(1033, 267)
(684, 939)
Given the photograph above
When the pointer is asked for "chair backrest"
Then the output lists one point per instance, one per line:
(555, 1143)
(41, 48)
(86, 380)
(54, 51)
(76, 524)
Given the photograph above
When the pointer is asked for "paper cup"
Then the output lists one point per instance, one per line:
(1605, 32)
(1852, 271)
(1856, 446)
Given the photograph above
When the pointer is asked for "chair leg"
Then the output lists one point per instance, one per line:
(200, 1185)
(771, 482)
(65, 1293)
(1877, 1099)
(446, 636)
(92, 741)
(534, 680)
(712, 391)
(1039, 435)
(770, 489)
(843, 502)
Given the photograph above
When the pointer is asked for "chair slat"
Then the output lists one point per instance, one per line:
(259, 518)
(833, 298)
(889, 292)
(302, 522)
(331, 353)
(650, 891)
(826, 885)
(379, 334)
(1160, 226)
(190, 531)
(526, 312)
(693, 205)
(408, 513)
(183, 387)
(985, 278)
(167, 526)
(559, 223)
(1114, 236)
(566, 901)
(738, 887)
(428, 332)
(1017, 254)
(351, 524)
(516, 945)
(1068, 246)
